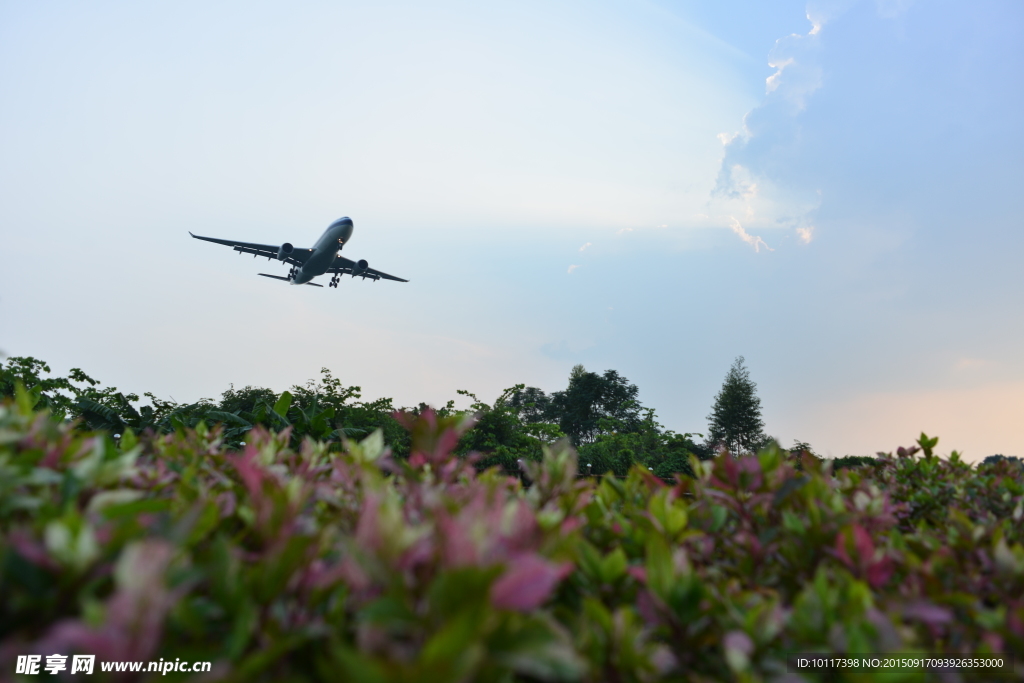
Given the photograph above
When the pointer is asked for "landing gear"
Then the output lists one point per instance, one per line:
(291, 273)
(333, 282)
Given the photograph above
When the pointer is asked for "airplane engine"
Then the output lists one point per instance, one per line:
(284, 251)
(360, 267)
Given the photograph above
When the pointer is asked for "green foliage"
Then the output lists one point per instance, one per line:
(296, 561)
(531, 404)
(1000, 458)
(600, 411)
(246, 399)
(852, 461)
(620, 446)
(501, 435)
(323, 410)
(735, 421)
(591, 399)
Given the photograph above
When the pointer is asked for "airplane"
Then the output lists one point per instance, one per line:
(324, 257)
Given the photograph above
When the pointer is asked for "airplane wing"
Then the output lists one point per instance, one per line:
(343, 266)
(296, 257)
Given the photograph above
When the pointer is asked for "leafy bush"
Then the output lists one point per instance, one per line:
(285, 562)
(514, 428)
(620, 446)
(852, 461)
(1008, 458)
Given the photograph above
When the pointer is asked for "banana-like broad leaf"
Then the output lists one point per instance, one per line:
(346, 431)
(99, 416)
(228, 418)
(127, 408)
(283, 404)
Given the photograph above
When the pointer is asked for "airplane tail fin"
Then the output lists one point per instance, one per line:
(278, 277)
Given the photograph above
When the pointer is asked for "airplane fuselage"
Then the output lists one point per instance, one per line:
(324, 251)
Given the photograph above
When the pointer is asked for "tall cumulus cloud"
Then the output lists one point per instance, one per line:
(757, 187)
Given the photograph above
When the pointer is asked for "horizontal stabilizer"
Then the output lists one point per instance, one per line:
(278, 277)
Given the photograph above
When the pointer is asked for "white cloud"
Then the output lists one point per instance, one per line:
(797, 72)
(820, 12)
(588, 244)
(623, 231)
(772, 82)
(744, 201)
(752, 240)
(751, 186)
(572, 268)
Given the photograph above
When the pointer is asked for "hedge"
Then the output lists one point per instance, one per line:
(301, 564)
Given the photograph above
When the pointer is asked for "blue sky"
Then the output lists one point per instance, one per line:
(829, 189)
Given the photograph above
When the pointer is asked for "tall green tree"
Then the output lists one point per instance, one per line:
(591, 400)
(531, 404)
(735, 420)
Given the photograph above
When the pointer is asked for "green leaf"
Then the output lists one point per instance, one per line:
(283, 404)
(245, 620)
(659, 566)
(589, 560)
(455, 646)
(927, 444)
(719, 514)
(670, 513)
(793, 523)
(456, 589)
(263, 658)
(134, 509)
(26, 399)
(613, 566)
(128, 440)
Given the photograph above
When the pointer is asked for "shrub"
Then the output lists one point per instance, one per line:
(296, 562)
(852, 461)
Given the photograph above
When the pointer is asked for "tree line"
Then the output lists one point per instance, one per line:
(600, 413)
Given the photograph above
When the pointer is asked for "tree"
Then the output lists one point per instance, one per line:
(531, 403)
(501, 435)
(246, 399)
(661, 451)
(993, 459)
(852, 462)
(591, 398)
(735, 419)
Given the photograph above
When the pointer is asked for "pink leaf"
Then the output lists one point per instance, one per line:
(738, 641)
(368, 533)
(527, 582)
(879, 572)
(250, 473)
(32, 551)
(751, 466)
(649, 607)
(930, 614)
(865, 546)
